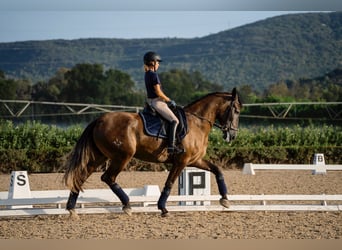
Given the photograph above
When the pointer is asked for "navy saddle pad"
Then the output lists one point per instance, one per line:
(156, 126)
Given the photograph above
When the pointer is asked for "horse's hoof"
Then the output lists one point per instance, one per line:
(224, 202)
(73, 215)
(164, 213)
(127, 210)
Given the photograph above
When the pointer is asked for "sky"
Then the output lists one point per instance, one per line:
(22, 20)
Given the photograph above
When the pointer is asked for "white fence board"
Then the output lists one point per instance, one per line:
(91, 201)
(249, 168)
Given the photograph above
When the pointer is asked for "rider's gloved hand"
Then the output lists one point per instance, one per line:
(172, 104)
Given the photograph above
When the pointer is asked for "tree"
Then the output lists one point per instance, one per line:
(2, 75)
(247, 94)
(279, 89)
(83, 84)
(117, 87)
(185, 87)
(11, 89)
(8, 89)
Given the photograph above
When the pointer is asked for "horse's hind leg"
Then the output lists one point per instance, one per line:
(72, 200)
(109, 177)
(71, 203)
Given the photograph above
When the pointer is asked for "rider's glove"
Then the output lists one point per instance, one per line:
(172, 104)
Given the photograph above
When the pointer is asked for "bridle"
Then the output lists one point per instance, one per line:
(228, 113)
(229, 121)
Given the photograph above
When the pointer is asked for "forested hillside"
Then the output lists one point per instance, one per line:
(286, 47)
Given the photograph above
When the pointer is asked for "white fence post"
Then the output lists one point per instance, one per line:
(19, 187)
(151, 190)
(248, 169)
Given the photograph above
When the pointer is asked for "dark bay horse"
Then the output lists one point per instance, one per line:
(119, 136)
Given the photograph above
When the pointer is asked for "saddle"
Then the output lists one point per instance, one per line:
(157, 126)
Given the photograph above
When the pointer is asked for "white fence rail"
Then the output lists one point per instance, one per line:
(277, 110)
(249, 168)
(318, 166)
(104, 201)
(70, 108)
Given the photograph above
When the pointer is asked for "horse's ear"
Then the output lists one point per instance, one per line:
(234, 93)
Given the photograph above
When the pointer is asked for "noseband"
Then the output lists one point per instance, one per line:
(229, 122)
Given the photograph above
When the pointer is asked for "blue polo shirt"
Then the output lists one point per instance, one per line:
(151, 79)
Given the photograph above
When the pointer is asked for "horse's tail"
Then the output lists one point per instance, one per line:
(76, 171)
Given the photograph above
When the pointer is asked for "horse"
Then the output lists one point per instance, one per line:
(116, 137)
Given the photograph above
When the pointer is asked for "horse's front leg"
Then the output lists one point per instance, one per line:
(174, 173)
(206, 165)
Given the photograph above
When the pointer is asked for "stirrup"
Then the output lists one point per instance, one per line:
(175, 150)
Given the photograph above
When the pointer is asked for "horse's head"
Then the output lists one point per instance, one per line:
(229, 120)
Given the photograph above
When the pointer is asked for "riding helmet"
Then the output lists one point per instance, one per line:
(151, 57)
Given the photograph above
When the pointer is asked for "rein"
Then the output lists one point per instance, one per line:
(210, 122)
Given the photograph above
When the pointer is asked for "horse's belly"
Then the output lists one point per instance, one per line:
(155, 157)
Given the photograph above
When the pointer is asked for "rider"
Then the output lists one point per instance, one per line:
(158, 100)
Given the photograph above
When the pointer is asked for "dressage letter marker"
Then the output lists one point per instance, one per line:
(19, 187)
(193, 181)
(319, 163)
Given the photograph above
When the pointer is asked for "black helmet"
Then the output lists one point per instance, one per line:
(151, 57)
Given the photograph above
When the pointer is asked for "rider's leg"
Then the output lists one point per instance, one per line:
(167, 113)
(172, 148)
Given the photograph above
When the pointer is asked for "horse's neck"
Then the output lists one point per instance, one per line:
(206, 108)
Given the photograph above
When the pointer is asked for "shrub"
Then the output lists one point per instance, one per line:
(37, 147)
(277, 145)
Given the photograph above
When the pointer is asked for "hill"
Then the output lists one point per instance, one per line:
(259, 54)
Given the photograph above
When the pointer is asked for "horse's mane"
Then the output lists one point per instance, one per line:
(210, 94)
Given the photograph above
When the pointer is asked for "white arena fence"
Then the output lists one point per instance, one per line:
(21, 201)
(249, 168)
(318, 166)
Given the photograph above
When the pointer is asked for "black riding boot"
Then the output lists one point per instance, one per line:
(172, 148)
